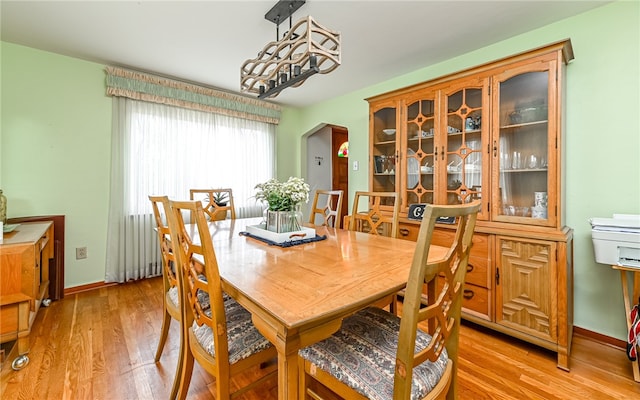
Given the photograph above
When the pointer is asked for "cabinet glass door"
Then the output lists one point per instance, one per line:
(420, 132)
(384, 149)
(462, 158)
(525, 121)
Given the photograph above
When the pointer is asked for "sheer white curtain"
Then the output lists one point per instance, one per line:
(165, 150)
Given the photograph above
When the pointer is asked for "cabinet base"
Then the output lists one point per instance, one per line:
(563, 352)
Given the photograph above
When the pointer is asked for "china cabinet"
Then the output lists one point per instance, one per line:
(491, 133)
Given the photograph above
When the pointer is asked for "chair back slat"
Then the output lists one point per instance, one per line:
(160, 205)
(215, 202)
(327, 204)
(198, 272)
(444, 281)
(380, 216)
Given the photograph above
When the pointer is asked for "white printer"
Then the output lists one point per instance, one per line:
(616, 241)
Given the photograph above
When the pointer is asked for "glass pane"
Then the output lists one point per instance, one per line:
(420, 151)
(523, 145)
(384, 150)
(464, 146)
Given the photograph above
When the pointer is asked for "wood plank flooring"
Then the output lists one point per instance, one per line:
(100, 344)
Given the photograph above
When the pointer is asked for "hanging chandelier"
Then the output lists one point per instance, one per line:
(306, 49)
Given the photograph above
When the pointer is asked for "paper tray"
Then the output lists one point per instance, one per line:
(303, 233)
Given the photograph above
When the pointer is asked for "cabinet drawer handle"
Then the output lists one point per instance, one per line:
(404, 231)
(469, 267)
(467, 294)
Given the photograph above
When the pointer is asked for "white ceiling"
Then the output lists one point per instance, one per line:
(207, 41)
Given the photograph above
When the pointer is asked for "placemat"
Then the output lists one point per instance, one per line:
(291, 243)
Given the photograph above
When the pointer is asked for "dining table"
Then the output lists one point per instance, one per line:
(299, 295)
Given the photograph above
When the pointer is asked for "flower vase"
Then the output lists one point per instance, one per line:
(282, 221)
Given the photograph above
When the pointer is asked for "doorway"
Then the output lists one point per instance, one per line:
(325, 170)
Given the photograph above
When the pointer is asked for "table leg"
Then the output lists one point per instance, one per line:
(288, 375)
(287, 343)
(627, 309)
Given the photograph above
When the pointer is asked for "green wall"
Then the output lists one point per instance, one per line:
(56, 138)
(56, 127)
(602, 146)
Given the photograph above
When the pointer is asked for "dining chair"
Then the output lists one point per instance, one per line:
(331, 212)
(216, 202)
(170, 299)
(375, 219)
(219, 333)
(378, 355)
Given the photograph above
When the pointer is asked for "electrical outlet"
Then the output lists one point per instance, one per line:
(81, 252)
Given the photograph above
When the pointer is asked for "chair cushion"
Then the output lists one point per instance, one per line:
(362, 355)
(174, 296)
(203, 297)
(244, 339)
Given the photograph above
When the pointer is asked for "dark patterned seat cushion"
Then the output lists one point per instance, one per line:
(362, 355)
(244, 339)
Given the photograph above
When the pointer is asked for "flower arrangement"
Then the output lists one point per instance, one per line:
(283, 196)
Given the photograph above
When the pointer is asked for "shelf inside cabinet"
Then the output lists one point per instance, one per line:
(508, 171)
(524, 124)
(384, 173)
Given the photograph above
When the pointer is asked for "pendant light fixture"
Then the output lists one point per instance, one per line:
(306, 49)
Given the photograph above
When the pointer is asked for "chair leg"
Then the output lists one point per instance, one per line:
(185, 375)
(179, 367)
(166, 322)
(393, 307)
(302, 379)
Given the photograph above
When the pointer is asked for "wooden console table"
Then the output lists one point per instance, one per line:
(635, 276)
(24, 268)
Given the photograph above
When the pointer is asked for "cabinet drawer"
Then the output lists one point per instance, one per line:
(408, 231)
(478, 272)
(475, 300)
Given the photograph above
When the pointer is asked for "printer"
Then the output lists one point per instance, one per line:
(616, 241)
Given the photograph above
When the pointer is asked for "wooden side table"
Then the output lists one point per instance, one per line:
(635, 276)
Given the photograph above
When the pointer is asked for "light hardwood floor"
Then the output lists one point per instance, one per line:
(100, 344)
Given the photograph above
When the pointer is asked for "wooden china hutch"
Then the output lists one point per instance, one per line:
(493, 133)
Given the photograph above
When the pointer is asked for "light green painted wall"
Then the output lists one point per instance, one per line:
(602, 145)
(56, 127)
(55, 152)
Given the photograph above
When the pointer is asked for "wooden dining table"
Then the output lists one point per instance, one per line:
(299, 295)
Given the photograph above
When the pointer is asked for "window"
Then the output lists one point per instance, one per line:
(159, 149)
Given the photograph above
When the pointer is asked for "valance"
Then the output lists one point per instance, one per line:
(142, 86)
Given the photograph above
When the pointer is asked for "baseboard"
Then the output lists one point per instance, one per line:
(89, 286)
(598, 337)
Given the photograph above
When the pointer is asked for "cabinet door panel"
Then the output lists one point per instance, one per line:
(418, 148)
(526, 293)
(525, 140)
(384, 150)
(464, 166)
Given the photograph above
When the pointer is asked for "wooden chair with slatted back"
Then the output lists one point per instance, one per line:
(216, 202)
(170, 299)
(431, 371)
(219, 332)
(330, 213)
(375, 219)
